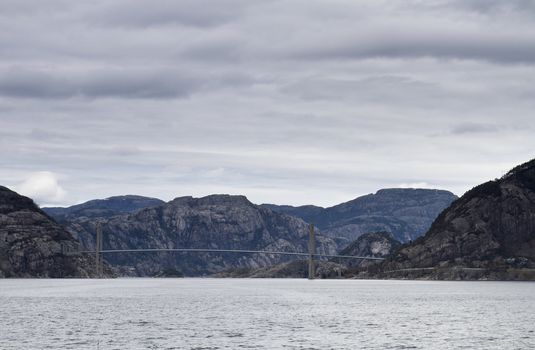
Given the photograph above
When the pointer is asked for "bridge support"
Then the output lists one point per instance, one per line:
(98, 249)
(311, 252)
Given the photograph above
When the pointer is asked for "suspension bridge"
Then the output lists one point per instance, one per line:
(311, 254)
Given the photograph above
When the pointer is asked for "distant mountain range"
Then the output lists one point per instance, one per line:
(33, 245)
(405, 213)
(232, 222)
(488, 233)
(217, 221)
(103, 207)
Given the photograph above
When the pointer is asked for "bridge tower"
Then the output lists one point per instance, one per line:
(311, 251)
(98, 254)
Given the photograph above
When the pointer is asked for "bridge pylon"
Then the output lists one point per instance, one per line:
(98, 250)
(311, 251)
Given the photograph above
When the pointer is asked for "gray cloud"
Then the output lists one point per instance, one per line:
(196, 13)
(494, 7)
(399, 42)
(103, 83)
(113, 83)
(295, 102)
(468, 128)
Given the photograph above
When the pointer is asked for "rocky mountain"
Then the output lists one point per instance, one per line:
(103, 207)
(291, 269)
(403, 212)
(34, 245)
(309, 213)
(489, 233)
(217, 221)
(373, 244)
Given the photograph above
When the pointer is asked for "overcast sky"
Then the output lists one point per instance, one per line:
(289, 102)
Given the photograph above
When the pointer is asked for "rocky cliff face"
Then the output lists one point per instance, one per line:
(218, 221)
(33, 245)
(374, 244)
(405, 213)
(489, 233)
(103, 207)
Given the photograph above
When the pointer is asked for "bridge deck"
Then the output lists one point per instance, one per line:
(198, 250)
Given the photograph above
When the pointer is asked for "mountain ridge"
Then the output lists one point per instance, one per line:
(103, 207)
(32, 244)
(215, 221)
(488, 233)
(407, 213)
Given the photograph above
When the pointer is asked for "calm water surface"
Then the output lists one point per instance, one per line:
(265, 314)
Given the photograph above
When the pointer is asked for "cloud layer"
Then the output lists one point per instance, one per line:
(294, 102)
(42, 187)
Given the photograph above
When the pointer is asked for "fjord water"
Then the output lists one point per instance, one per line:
(265, 313)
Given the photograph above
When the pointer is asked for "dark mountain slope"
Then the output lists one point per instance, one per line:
(487, 233)
(217, 221)
(33, 245)
(406, 213)
(103, 207)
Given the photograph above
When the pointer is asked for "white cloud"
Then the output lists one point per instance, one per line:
(43, 188)
(416, 185)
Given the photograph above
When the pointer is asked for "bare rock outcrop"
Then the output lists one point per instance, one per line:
(488, 233)
(34, 245)
(373, 244)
